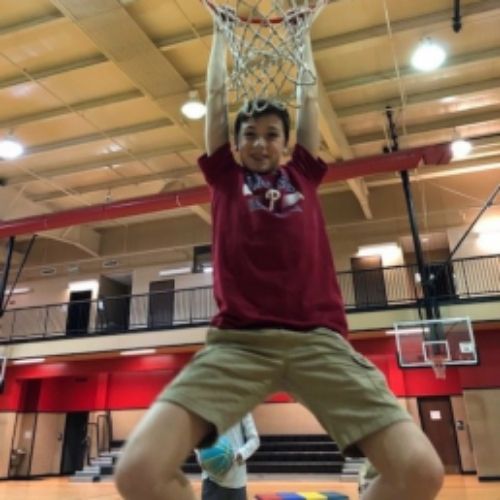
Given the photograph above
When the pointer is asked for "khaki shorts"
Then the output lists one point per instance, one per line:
(237, 369)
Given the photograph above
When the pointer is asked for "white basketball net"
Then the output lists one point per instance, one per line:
(266, 40)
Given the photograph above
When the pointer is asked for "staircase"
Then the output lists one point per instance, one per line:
(351, 468)
(290, 454)
(99, 469)
(314, 454)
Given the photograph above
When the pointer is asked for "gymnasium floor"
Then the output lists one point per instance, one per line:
(456, 488)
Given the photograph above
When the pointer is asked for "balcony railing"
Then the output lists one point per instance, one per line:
(379, 288)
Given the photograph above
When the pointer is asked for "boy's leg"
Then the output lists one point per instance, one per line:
(159, 445)
(223, 382)
(350, 398)
(407, 463)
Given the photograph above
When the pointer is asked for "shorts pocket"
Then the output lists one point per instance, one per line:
(360, 360)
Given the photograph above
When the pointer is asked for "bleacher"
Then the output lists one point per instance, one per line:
(290, 454)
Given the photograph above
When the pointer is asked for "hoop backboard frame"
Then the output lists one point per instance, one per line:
(427, 343)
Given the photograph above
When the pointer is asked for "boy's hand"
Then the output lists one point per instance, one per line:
(238, 458)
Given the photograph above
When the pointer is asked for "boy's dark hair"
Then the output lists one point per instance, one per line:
(262, 107)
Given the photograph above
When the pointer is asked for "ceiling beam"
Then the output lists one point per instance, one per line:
(458, 91)
(66, 110)
(75, 168)
(176, 174)
(389, 76)
(202, 213)
(15, 204)
(45, 21)
(458, 120)
(337, 142)
(359, 167)
(99, 136)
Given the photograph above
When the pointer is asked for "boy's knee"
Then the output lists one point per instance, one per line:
(425, 473)
(135, 477)
(129, 479)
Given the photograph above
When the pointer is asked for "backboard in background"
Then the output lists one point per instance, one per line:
(435, 343)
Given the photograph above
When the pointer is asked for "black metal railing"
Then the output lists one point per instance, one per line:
(462, 279)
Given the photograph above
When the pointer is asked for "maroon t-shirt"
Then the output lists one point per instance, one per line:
(272, 261)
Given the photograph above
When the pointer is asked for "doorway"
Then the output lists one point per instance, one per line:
(161, 304)
(77, 322)
(369, 283)
(75, 442)
(438, 423)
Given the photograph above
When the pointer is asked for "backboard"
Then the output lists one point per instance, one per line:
(435, 343)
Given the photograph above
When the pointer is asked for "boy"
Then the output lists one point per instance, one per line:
(244, 440)
(280, 321)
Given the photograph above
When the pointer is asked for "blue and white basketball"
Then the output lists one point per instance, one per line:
(217, 459)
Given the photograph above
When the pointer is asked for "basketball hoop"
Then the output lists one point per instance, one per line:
(267, 42)
(439, 366)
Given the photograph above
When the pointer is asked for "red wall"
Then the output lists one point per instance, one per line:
(123, 383)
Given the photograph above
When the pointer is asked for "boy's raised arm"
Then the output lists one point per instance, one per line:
(216, 124)
(308, 135)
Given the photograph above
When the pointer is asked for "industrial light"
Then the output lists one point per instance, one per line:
(18, 291)
(193, 108)
(460, 148)
(10, 149)
(387, 250)
(175, 272)
(83, 286)
(428, 56)
(138, 352)
(28, 361)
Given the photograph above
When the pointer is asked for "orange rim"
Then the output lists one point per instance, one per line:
(248, 20)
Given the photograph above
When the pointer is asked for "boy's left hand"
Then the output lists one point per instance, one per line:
(239, 459)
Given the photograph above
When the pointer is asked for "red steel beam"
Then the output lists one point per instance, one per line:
(340, 171)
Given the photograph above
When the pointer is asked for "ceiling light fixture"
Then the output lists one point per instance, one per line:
(193, 108)
(10, 148)
(460, 148)
(175, 272)
(428, 56)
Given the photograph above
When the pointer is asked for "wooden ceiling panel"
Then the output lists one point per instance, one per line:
(62, 128)
(16, 12)
(163, 137)
(90, 82)
(48, 160)
(166, 163)
(124, 113)
(44, 47)
(168, 19)
(24, 99)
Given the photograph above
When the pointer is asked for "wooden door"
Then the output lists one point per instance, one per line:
(438, 423)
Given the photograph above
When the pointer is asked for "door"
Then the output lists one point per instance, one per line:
(161, 304)
(443, 283)
(48, 444)
(75, 442)
(77, 322)
(438, 423)
(369, 284)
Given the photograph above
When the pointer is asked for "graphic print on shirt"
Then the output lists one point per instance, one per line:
(276, 195)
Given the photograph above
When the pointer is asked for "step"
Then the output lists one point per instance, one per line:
(84, 479)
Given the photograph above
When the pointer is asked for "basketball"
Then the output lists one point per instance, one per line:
(217, 459)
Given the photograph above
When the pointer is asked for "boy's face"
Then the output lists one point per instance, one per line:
(261, 143)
